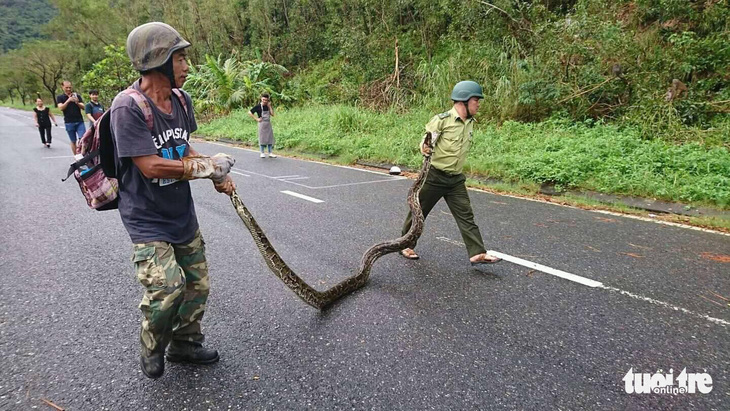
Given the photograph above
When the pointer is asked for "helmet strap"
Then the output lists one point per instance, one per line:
(168, 71)
(466, 107)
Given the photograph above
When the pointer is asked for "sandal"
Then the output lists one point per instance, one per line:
(409, 254)
(483, 261)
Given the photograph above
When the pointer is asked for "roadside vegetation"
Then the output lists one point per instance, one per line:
(627, 97)
(599, 157)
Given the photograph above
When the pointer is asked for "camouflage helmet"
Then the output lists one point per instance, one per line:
(150, 45)
(464, 90)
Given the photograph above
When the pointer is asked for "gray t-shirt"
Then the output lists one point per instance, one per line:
(153, 209)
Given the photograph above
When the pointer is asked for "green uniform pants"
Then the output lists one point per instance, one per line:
(175, 277)
(452, 188)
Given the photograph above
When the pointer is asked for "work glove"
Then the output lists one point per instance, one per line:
(215, 168)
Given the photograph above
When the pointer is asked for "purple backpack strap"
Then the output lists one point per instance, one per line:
(144, 105)
(182, 99)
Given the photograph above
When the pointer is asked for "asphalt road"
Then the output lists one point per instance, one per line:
(429, 334)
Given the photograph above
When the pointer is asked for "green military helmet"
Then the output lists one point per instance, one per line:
(464, 90)
(150, 45)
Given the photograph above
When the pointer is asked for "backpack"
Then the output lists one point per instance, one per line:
(96, 171)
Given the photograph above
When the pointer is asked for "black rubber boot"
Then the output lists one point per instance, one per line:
(191, 352)
(152, 363)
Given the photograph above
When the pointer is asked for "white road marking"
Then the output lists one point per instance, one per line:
(287, 179)
(450, 241)
(591, 283)
(548, 270)
(303, 197)
(240, 174)
(667, 305)
(595, 284)
(353, 184)
(45, 158)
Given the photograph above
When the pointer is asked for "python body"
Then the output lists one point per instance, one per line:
(321, 299)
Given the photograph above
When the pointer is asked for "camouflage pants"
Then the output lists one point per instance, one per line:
(176, 280)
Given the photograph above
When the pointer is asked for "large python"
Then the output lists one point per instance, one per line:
(321, 299)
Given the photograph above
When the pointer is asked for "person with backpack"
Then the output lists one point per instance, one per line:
(154, 163)
(451, 136)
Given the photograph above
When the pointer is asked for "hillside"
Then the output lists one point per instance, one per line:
(22, 20)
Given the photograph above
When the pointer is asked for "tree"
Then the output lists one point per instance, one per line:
(49, 61)
(14, 78)
(220, 86)
(111, 75)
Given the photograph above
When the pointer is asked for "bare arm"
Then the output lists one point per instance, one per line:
(90, 117)
(52, 118)
(252, 116)
(35, 116)
(154, 166)
(271, 110)
(192, 151)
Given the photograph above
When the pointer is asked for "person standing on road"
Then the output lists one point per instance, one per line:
(71, 104)
(451, 137)
(155, 202)
(43, 117)
(266, 133)
(94, 109)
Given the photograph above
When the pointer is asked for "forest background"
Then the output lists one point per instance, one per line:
(626, 96)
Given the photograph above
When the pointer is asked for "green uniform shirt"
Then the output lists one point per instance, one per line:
(453, 142)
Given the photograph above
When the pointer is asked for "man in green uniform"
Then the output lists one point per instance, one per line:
(451, 136)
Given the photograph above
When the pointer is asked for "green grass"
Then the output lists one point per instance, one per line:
(603, 158)
(29, 107)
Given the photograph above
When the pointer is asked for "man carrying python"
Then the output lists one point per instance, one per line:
(445, 146)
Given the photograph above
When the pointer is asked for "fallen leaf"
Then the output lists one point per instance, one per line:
(720, 258)
(712, 301)
(640, 246)
(52, 405)
(594, 249)
(531, 272)
(633, 255)
(540, 225)
(255, 377)
(605, 219)
(718, 295)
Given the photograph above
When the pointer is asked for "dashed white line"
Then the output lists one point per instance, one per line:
(592, 283)
(303, 197)
(289, 179)
(667, 305)
(595, 284)
(46, 158)
(240, 174)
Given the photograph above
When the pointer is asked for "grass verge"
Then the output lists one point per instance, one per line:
(602, 158)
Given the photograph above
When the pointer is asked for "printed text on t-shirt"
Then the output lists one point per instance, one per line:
(176, 133)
